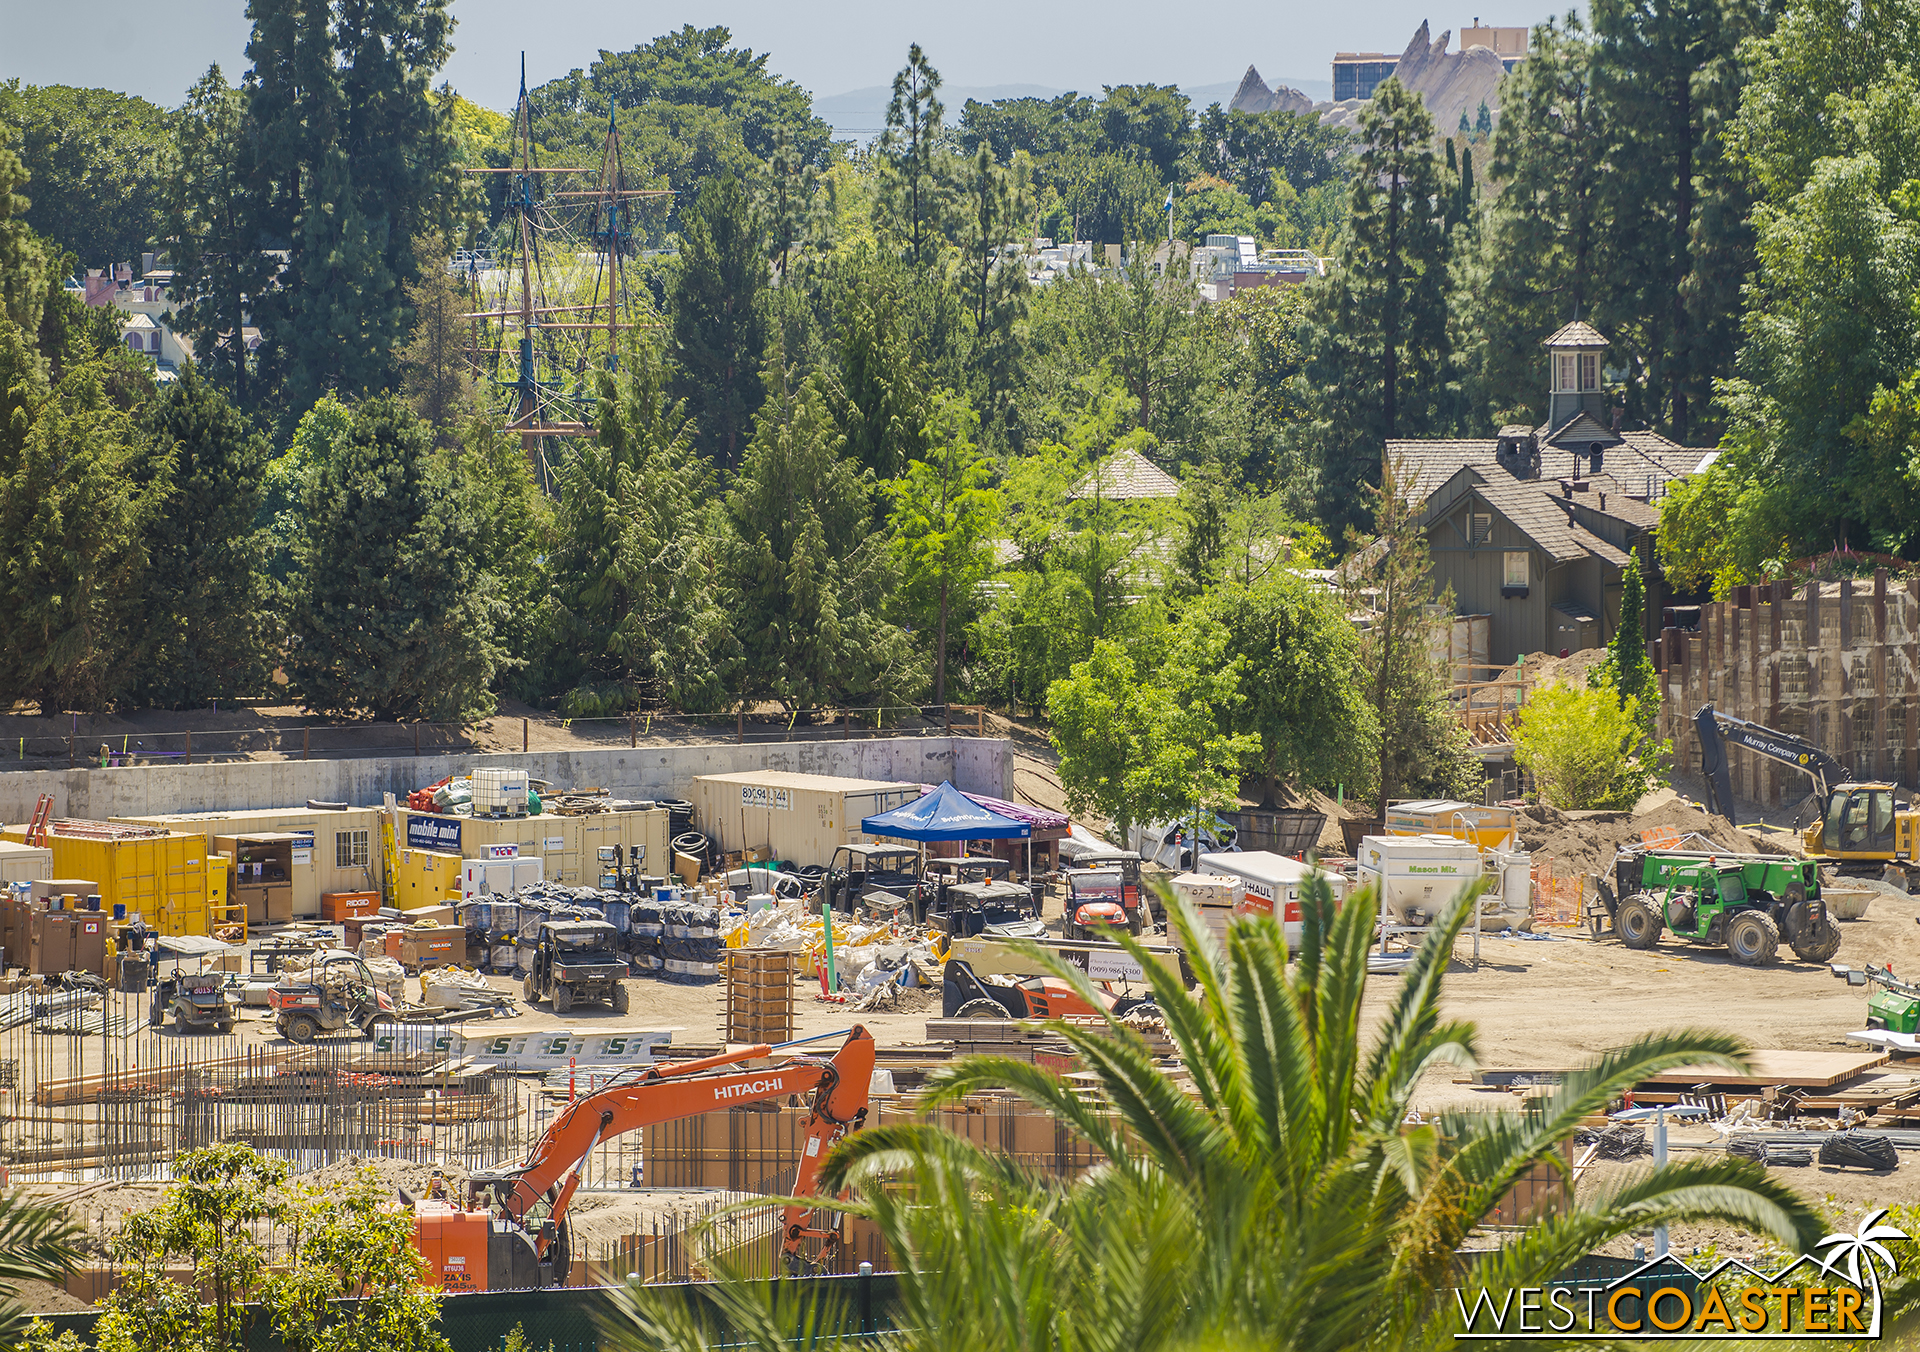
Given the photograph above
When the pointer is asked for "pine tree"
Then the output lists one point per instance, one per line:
(1668, 77)
(913, 167)
(635, 600)
(1627, 668)
(1380, 361)
(1483, 120)
(392, 614)
(76, 522)
(1544, 250)
(718, 333)
(433, 365)
(807, 575)
(786, 197)
(877, 398)
(993, 208)
(943, 516)
(206, 599)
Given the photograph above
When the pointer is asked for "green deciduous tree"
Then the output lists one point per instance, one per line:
(205, 1223)
(717, 329)
(1583, 748)
(1302, 687)
(943, 515)
(1380, 361)
(392, 613)
(99, 160)
(1254, 151)
(358, 1283)
(1138, 747)
(208, 631)
(1150, 123)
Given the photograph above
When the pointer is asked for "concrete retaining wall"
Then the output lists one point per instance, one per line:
(979, 764)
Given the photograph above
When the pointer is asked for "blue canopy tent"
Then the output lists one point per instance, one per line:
(946, 813)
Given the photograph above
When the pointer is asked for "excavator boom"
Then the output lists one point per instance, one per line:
(551, 1173)
(1717, 729)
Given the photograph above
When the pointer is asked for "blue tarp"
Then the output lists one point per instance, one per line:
(945, 814)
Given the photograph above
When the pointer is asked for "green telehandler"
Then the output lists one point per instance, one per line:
(1747, 902)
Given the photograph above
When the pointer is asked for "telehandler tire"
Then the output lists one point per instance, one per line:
(1753, 939)
(1638, 923)
(1817, 941)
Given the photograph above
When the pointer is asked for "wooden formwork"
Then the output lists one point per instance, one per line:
(759, 994)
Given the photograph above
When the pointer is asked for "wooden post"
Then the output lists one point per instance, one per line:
(416, 739)
(633, 728)
(742, 725)
(525, 737)
(980, 721)
(306, 748)
(189, 746)
(69, 751)
(846, 724)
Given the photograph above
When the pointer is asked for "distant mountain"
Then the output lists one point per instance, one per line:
(860, 114)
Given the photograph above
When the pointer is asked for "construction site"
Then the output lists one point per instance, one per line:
(604, 1009)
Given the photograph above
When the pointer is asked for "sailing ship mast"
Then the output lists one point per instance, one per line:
(535, 407)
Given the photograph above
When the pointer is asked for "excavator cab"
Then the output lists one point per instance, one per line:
(1859, 822)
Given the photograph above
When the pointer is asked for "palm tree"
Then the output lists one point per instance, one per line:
(1285, 1197)
(36, 1244)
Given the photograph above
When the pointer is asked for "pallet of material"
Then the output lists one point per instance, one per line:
(1788, 1069)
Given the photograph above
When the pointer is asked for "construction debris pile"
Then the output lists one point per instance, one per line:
(1588, 842)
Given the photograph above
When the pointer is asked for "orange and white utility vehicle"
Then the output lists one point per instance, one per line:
(512, 1232)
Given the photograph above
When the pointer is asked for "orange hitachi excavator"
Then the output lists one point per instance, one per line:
(512, 1232)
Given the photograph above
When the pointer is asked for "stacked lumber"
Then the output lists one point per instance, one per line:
(760, 999)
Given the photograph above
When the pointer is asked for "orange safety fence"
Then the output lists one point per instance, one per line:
(1557, 899)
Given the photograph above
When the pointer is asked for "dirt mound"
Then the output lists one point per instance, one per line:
(1544, 669)
(1585, 842)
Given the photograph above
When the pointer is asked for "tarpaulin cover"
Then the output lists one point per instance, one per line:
(945, 814)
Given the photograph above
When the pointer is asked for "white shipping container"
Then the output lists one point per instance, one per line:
(24, 863)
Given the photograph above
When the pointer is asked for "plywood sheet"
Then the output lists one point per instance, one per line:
(1800, 1070)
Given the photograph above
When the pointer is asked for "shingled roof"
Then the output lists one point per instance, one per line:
(1577, 334)
(1127, 475)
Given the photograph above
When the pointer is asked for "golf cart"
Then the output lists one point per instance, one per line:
(856, 870)
(338, 993)
(976, 895)
(574, 960)
(1103, 892)
(197, 999)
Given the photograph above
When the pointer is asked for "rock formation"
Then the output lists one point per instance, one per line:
(1450, 83)
(1253, 96)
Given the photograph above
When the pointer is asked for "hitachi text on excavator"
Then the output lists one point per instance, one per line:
(512, 1231)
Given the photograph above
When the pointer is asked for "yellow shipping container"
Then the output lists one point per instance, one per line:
(426, 878)
(162, 879)
(343, 853)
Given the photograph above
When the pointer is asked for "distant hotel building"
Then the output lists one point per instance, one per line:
(1355, 74)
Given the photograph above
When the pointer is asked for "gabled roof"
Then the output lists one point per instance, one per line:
(1581, 431)
(1127, 474)
(1577, 334)
(1535, 515)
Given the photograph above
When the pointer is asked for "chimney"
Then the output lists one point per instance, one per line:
(1603, 502)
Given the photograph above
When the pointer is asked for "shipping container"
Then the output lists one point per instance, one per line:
(563, 844)
(801, 819)
(161, 877)
(341, 853)
(24, 863)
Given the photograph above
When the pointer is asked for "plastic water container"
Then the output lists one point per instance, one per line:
(506, 916)
(620, 915)
(480, 915)
(499, 792)
(531, 918)
(759, 901)
(503, 957)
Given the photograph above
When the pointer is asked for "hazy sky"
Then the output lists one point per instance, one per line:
(831, 47)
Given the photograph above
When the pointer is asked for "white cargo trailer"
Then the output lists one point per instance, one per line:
(1272, 883)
